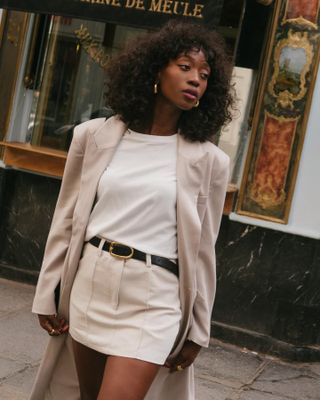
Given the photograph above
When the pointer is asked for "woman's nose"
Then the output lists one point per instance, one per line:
(194, 79)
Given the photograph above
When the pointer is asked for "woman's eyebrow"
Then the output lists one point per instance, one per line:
(206, 65)
(191, 58)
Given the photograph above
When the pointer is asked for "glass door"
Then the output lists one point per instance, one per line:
(71, 78)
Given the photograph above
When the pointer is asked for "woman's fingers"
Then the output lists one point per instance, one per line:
(64, 326)
(179, 365)
(185, 358)
(47, 323)
(44, 322)
(54, 325)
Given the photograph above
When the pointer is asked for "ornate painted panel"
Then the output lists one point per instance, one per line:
(282, 111)
(303, 12)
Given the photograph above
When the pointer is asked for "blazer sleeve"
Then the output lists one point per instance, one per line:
(60, 231)
(199, 331)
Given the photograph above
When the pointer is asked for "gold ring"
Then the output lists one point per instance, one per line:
(52, 332)
(179, 368)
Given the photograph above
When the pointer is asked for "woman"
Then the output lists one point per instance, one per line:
(133, 234)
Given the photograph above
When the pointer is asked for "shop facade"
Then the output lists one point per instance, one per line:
(52, 60)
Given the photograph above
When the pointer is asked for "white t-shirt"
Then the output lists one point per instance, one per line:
(136, 195)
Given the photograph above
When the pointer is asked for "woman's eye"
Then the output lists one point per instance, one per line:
(204, 76)
(184, 67)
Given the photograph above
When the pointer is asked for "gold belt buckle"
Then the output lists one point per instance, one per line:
(112, 244)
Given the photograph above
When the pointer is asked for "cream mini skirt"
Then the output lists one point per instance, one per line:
(127, 308)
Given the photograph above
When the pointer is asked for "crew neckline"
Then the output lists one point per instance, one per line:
(151, 138)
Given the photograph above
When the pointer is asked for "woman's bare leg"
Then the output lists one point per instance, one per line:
(126, 379)
(90, 369)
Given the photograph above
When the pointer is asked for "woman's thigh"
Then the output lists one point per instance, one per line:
(126, 378)
(90, 366)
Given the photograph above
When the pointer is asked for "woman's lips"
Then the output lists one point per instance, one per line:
(190, 96)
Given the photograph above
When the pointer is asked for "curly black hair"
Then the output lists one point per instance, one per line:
(132, 75)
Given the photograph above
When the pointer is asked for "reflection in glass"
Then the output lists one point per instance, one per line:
(72, 78)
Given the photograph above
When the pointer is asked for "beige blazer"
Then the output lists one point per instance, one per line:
(202, 176)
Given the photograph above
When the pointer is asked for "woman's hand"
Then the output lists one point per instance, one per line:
(53, 324)
(185, 358)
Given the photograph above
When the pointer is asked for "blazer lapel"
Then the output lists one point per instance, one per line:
(191, 162)
(99, 152)
(110, 133)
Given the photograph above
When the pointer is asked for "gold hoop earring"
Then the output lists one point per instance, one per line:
(197, 104)
(155, 88)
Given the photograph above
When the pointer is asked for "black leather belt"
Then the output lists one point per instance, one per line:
(122, 251)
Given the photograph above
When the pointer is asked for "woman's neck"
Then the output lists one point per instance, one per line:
(165, 118)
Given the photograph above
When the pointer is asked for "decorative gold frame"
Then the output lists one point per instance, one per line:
(44, 92)
(295, 40)
(14, 25)
(2, 24)
(268, 101)
(28, 73)
(300, 20)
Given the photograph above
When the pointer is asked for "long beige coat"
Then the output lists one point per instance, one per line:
(202, 175)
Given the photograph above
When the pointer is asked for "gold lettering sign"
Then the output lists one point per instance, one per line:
(171, 7)
(91, 47)
(114, 3)
(13, 31)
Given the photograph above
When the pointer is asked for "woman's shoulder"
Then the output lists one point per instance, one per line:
(87, 128)
(218, 156)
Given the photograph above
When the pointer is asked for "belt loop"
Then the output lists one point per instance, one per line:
(148, 260)
(102, 242)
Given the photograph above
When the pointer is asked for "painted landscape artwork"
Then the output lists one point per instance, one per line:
(291, 64)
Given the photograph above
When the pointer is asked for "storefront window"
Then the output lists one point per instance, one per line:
(63, 79)
(69, 83)
(248, 60)
(71, 80)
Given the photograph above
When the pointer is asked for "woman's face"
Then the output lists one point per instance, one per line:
(184, 80)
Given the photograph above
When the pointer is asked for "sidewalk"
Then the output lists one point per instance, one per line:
(223, 372)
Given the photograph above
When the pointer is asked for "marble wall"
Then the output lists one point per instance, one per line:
(267, 280)
(26, 208)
